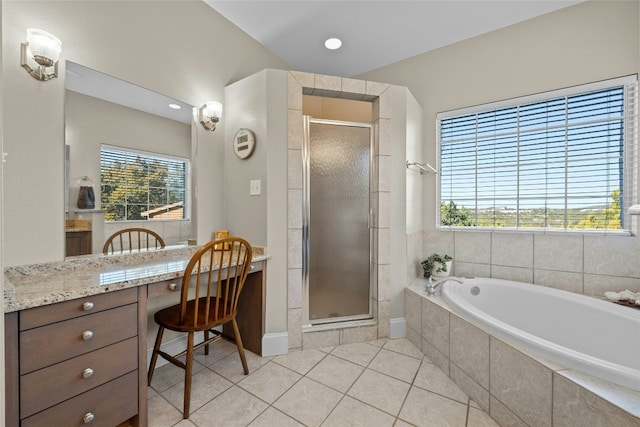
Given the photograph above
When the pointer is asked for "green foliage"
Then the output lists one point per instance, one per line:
(596, 218)
(451, 215)
(428, 264)
(128, 189)
(607, 219)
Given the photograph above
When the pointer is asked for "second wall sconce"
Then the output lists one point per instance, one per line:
(209, 115)
(40, 54)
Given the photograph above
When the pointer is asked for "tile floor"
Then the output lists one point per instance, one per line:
(379, 383)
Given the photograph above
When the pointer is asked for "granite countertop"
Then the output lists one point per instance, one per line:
(34, 285)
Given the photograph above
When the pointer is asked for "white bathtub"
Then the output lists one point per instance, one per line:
(583, 333)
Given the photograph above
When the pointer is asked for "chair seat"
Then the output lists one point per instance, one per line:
(169, 317)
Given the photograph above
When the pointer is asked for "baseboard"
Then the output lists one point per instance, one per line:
(272, 345)
(275, 343)
(397, 328)
(173, 346)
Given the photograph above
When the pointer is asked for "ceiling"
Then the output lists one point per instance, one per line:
(296, 30)
(374, 33)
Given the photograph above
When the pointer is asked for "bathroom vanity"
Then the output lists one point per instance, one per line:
(76, 334)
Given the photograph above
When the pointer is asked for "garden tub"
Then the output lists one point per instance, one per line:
(593, 336)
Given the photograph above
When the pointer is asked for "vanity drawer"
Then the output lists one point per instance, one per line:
(109, 405)
(44, 346)
(52, 313)
(164, 288)
(46, 387)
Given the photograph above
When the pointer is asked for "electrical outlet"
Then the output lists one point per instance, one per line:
(254, 187)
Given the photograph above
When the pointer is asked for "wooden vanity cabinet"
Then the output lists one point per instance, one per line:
(78, 243)
(78, 362)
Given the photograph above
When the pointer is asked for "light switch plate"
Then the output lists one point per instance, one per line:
(254, 187)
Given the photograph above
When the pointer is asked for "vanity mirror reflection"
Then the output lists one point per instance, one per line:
(109, 124)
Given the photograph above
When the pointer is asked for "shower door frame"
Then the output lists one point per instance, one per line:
(306, 213)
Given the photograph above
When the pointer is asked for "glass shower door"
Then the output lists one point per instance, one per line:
(337, 237)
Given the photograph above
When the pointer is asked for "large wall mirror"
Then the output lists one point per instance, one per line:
(105, 113)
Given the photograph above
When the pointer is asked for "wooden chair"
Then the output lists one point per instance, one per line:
(132, 240)
(219, 277)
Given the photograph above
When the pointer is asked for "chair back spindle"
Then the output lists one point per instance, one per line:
(133, 239)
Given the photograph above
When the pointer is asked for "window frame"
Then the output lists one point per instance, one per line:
(630, 156)
(149, 155)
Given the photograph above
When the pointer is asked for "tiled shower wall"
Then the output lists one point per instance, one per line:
(580, 263)
(378, 94)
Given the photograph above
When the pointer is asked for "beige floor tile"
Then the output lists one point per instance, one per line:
(353, 413)
(161, 413)
(274, 418)
(403, 346)
(360, 353)
(300, 361)
(151, 392)
(217, 351)
(169, 375)
(308, 402)
(231, 366)
(269, 382)
(395, 365)
(400, 423)
(479, 418)
(375, 395)
(379, 342)
(233, 408)
(204, 387)
(380, 391)
(433, 379)
(336, 373)
(426, 409)
(185, 423)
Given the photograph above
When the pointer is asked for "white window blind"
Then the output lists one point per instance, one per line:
(138, 186)
(562, 160)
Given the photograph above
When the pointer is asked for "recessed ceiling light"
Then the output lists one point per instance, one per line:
(333, 43)
(175, 106)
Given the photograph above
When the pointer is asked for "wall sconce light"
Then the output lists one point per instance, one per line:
(39, 55)
(209, 115)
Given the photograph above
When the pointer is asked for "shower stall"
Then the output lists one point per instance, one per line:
(337, 221)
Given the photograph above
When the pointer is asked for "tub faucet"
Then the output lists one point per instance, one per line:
(431, 287)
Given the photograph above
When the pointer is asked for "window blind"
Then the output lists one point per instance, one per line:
(560, 161)
(136, 185)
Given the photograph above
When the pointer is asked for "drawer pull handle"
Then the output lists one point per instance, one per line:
(88, 417)
(253, 267)
(87, 335)
(173, 286)
(87, 373)
(87, 306)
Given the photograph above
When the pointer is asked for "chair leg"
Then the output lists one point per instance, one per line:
(206, 346)
(154, 355)
(236, 332)
(187, 376)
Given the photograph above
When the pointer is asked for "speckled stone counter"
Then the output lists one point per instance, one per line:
(34, 285)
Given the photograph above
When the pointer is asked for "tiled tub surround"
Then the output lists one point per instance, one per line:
(516, 387)
(583, 333)
(580, 263)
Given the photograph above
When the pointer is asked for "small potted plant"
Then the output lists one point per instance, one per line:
(436, 265)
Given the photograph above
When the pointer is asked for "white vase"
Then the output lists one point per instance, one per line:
(436, 266)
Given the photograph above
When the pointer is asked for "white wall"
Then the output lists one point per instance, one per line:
(259, 103)
(164, 46)
(587, 42)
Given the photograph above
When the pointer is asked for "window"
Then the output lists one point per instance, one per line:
(139, 186)
(564, 160)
